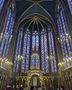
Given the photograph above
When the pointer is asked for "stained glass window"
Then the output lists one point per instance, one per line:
(65, 39)
(26, 51)
(7, 33)
(35, 62)
(1, 4)
(35, 41)
(18, 52)
(52, 51)
(35, 46)
(70, 5)
(44, 52)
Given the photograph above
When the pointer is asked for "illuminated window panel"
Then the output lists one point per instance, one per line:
(35, 41)
(66, 32)
(26, 51)
(61, 33)
(52, 51)
(64, 23)
(18, 52)
(70, 5)
(35, 45)
(44, 52)
(1, 4)
(7, 33)
(35, 62)
(8, 40)
(65, 39)
(59, 26)
(7, 20)
(4, 31)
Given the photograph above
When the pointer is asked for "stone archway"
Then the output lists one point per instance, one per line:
(34, 73)
(35, 81)
(34, 55)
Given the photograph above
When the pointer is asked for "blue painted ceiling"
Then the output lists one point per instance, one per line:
(45, 8)
(22, 5)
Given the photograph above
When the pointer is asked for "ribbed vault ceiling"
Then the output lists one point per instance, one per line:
(33, 13)
(35, 22)
(22, 5)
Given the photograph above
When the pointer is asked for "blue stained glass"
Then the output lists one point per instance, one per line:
(2, 45)
(66, 32)
(8, 40)
(63, 22)
(8, 44)
(4, 32)
(35, 45)
(1, 4)
(35, 41)
(18, 52)
(35, 62)
(7, 33)
(52, 51)
(64, 38)
(44, 52)
(5, 47)
(26, 52)
(6, 21)
(70, 5)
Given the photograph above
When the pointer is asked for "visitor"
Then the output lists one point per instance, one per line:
(50, 88)
(21, 87)
(17, 87)
(58, 89)
(9, 87)
(14, 87)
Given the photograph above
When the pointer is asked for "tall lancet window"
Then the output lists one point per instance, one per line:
(35, 47)
(18, 52)
(65, 39)
(1, 4)
(7, 33)
(70, 5)
(26, 51)
(35, 41)
(35, 61)
(44, 52)
(52, 51)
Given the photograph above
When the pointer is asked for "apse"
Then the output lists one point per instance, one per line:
(35, 46)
